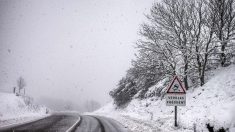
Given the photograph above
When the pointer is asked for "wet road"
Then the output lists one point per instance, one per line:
(99, 124)
(53, 123)
(69, 123)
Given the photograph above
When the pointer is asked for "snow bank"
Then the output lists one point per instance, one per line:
(213, 103)
(15, 108)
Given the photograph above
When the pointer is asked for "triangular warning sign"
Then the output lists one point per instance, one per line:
(176, 86)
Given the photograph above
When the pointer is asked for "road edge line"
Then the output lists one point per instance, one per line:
(74, 125)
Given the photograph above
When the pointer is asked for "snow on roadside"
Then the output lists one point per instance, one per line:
(213, 103)
(20, 120)
(15, 110)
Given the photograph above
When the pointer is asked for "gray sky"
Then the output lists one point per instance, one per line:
(71, 49)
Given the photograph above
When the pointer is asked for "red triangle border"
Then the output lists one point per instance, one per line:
(168, 89)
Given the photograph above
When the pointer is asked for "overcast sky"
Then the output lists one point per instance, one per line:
(68, 49)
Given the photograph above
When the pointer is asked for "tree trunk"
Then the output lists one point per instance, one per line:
(223, 56)
(199, 67)
(185, 75)
(202, 79)
(14, 90)
(186, 82)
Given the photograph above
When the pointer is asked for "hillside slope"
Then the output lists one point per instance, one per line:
(15, 109)
(213, 103)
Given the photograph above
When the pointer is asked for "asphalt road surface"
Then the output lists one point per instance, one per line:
(53, 123)
(99, 124)
(64, 122)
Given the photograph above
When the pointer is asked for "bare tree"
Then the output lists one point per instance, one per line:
(156, 53)
(172, 21)
(186, 38)
(184, 30)
(91, 105)
(203, 32)
(68, 106)
(225, 24)
(21, 84)
(14, 90)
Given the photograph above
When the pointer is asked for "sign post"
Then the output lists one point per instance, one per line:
(176, 95)
(176, 116)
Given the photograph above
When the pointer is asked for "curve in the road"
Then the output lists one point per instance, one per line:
(88, 124)
(71, 123)
(99, 124)
(58, 123)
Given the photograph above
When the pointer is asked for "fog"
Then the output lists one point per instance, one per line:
(71, 50)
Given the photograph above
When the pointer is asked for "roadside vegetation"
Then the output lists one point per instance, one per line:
(183, 38)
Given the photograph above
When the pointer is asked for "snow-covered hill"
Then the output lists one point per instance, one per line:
(15, 109)
(213, 103)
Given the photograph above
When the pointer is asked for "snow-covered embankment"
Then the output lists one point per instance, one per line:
(213, 103)
(17, 109)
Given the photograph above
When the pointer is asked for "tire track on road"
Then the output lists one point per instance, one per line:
(100, 123)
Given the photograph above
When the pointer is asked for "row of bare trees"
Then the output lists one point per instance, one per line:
(182, 37)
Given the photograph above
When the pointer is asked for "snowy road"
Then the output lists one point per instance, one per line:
(64, 122)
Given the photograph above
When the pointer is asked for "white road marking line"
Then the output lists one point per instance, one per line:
(72, 127)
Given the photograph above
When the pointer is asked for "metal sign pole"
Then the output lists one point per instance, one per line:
(176, 116)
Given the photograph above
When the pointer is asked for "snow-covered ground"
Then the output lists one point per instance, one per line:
(14, 109)
(213, 103)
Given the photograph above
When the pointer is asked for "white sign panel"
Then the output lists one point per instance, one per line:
(176, 99)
